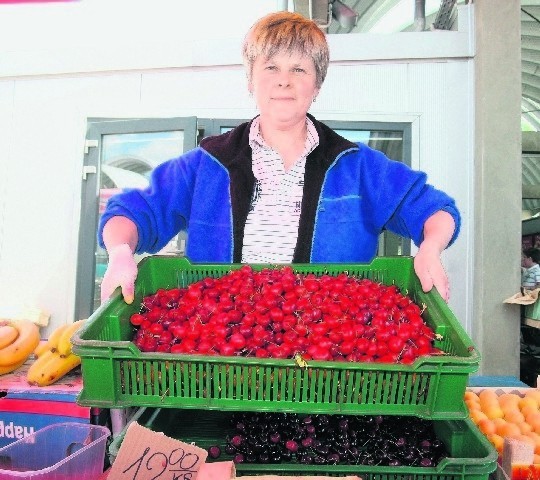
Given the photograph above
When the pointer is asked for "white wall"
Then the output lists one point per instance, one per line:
(47, 92)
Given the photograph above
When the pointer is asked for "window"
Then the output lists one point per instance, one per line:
(120, 153)
(394, 140)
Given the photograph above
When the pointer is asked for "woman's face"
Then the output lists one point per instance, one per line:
(284, 88)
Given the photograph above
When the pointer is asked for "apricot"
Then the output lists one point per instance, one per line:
(477, 415)
(513, 415)
(493, 411)
(533, 393)
(525, 427)
(497, 441)
(509, 399)
(508, 430)
(473, 404)
(527, 401)
(528, 409)
(488, 397)
(533, 419)
(499, 421)
(486, 426)
(471, 396)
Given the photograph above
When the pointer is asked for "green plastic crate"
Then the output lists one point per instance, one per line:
(471, 455)
(532, 312)
(117, 374)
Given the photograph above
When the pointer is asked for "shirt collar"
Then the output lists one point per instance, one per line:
(256, 140)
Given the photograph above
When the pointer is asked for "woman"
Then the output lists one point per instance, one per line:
(282, 188)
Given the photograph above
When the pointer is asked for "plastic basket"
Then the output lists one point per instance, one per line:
(533, 311)
(62, 450)
(117, 374)
(471, 457)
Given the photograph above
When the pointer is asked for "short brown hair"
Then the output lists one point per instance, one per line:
(289, 32)
(533, 253)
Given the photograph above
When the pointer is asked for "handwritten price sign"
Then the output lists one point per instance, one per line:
(147, 455)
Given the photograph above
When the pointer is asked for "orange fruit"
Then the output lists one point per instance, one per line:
(513, 415)
(471, 397)
(528, 409)
(497, 441)
(493, 411)
(498, 422)
(509, 399)
(472, 405)
(533, 419)
(477, 415)
(525, 427)
(508, 430)
(527, 401)
(536, 459)
(486, 426)
(488, 397)
(533, 393)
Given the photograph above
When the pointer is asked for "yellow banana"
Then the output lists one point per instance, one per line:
(40, 349)
(36, 369)
(11, 368)
(51, 367)
(25, 343)
(64, 342)
(8, 334)
(52, 341)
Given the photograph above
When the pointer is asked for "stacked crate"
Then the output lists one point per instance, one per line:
(116, 374)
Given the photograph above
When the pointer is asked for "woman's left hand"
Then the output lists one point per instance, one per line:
(438, 230)
(430, 271)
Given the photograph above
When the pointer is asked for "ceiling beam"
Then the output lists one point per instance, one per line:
(530, 192)
(530, 142)
(531, 92)
(316, 10)
(530, 80)
(530, 42)
(530, 28)
(529, 67)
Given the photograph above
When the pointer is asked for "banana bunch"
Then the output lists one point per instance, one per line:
(18, 339)
(54, 357)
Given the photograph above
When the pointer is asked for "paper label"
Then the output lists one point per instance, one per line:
(148, 455)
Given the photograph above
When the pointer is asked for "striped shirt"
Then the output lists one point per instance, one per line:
(530, 277)
(271, 229)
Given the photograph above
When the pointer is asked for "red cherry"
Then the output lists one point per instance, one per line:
(137, 319)
(226, 349)
(396, 344)
(237, 341)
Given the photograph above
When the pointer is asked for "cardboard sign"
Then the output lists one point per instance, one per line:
(147, 455)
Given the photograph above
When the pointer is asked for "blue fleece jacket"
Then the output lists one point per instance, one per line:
(351, 194)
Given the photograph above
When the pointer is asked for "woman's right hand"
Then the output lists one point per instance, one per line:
(121, 272)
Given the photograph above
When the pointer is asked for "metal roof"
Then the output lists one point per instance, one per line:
(530, 62)
(442, 15)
